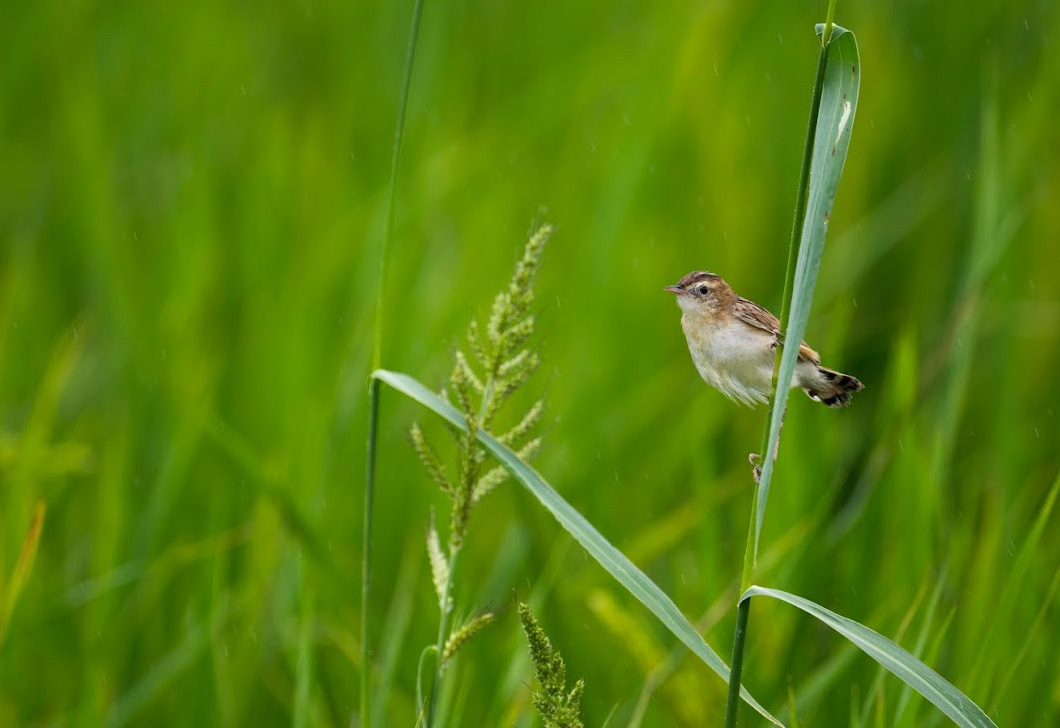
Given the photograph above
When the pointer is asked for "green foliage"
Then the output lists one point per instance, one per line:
(625, 572)
(191, 205)
(835, 98)
(557, 706)
(912, 671)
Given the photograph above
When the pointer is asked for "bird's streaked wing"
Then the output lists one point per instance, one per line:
(754, 315)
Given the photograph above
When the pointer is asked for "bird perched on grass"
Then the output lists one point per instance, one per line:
(733, 344)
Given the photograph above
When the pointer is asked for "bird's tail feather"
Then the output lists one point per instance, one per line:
(832, 388)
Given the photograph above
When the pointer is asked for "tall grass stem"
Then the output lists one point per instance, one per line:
(366, 552)
(443, 625)
(751, 549)
(373, 387)
(736, 666)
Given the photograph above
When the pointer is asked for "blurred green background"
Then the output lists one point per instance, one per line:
(191, 207)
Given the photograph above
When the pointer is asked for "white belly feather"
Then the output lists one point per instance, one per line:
(736, 360)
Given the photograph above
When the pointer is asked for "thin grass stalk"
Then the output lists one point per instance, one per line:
(366, 551)
(377, 355)
(732, 702)
(439, 648)
(736, 664)
(443, 619)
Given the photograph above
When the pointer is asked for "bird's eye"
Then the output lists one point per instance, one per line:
(703, 289)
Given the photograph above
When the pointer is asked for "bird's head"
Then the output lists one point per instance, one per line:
(702, 291)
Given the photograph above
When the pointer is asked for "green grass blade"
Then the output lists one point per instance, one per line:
(161, 676)
(1033, 633)
(303, 663)
(921, 641)
(614, 561)
(9, 595)
(395, 161)
(396, 627)
(1014, 588)
(835, 119)
(951, 701)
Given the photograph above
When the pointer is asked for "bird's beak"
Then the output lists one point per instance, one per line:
(674, 289)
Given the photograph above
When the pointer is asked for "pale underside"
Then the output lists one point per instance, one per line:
(736, 357)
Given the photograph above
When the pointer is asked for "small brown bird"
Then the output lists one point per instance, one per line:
(733, 344)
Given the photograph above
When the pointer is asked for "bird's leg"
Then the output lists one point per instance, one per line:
(753, 458)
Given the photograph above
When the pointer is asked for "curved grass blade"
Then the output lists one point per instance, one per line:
(835, 119)
(914, 673)
(614, 561)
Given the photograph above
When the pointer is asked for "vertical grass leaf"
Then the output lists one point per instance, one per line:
(835, 119)
(914, 673)
(635, 581)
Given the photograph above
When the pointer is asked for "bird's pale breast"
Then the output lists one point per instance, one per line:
(732, 357)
